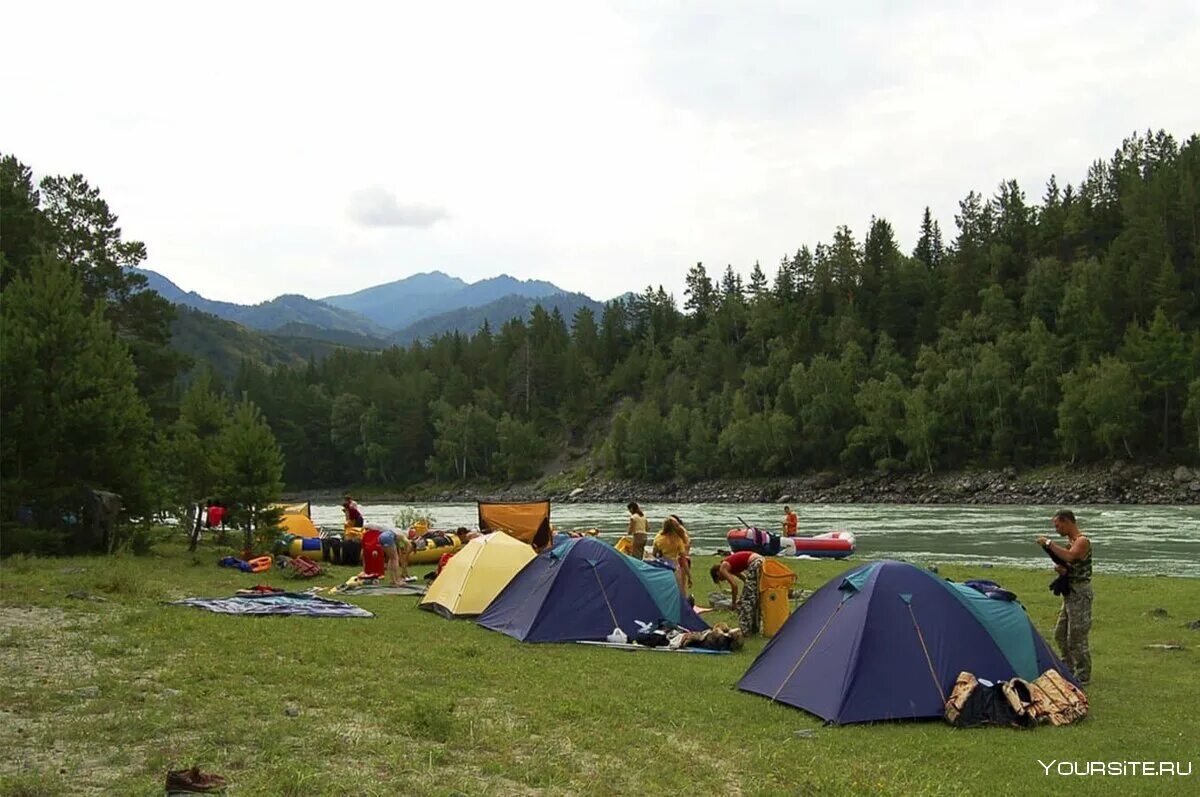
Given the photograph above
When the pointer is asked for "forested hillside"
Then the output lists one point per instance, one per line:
(1060, 329)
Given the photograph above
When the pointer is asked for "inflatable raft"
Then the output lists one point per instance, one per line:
(834, 545)
(428, 550)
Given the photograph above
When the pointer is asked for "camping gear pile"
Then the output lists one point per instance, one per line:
(298, 567)
(259, 564)
(1049, 699)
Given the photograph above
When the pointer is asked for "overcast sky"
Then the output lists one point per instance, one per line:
(261, 149)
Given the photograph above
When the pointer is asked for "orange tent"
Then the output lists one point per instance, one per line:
(520, 520)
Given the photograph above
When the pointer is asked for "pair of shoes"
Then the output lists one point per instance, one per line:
(193, 781)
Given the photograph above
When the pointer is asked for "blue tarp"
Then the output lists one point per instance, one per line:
(581, 590)
(887, 641)
(279, 603)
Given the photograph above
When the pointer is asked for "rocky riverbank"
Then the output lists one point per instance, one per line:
(1115, 483)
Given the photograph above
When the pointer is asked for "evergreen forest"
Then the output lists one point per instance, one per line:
(1058, 329)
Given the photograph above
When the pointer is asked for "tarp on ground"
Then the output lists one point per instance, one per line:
(887, 641)
(518, 519)
(582, 589)
(475, 575)
(280, 603)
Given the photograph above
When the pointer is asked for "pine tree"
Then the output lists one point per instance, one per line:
(251, 470)
(72, 418)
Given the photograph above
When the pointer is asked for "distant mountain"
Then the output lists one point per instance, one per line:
(268, 316)
(225, 344)
(395, 304)
(400, 312)
(497, 312)
(399, 304)
(341, 337)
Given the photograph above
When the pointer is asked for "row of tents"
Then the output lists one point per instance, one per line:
(885, 640)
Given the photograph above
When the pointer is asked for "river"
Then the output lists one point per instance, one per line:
(1145, 540)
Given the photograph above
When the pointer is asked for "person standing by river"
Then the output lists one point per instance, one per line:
(674, 544)
(790, 522)
(354, 515)
(1074, 562)
(638, 529)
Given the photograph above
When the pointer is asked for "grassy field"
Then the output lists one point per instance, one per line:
(102, 697)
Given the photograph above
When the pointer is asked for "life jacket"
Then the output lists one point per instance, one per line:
(1056, 700)
(260, 564)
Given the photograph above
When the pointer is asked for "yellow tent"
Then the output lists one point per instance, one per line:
(475, 575)
(521, 520)
(296, 519)
(296, 509)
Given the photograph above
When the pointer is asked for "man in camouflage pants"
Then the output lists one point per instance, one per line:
(747, 606)
(1074, 564)
(744, 566)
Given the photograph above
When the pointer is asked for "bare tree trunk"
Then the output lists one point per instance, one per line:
(1166, 419)
(195, 540)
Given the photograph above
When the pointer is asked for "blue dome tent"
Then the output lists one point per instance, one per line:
(582, 589)
(887, 640)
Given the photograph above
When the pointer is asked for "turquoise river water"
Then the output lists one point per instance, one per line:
(1146, 540)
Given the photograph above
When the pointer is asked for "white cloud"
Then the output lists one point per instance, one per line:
(602, 147)
(377, 207)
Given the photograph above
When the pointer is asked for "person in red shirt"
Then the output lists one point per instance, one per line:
(790, 522)
(216, 515)
(354, 516)
(746, 566)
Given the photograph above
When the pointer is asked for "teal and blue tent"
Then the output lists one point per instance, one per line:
(887, 640)
(581, 589)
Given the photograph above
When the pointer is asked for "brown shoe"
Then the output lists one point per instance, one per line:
(193, 781)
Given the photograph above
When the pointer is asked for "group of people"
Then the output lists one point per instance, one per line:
(671, 544)
(398, 546)
(742, 570)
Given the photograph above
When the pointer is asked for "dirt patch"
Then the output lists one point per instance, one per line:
(35, 617)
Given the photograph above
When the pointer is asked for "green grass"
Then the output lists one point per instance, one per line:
(104, 697)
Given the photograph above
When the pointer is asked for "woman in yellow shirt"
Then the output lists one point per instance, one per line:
(674, 543)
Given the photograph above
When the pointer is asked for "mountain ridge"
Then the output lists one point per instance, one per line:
(468, 320)
(401, 303)
(397, 312)
(267, 316)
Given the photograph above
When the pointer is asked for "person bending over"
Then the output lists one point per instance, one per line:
(745, 566)
(395, 549)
